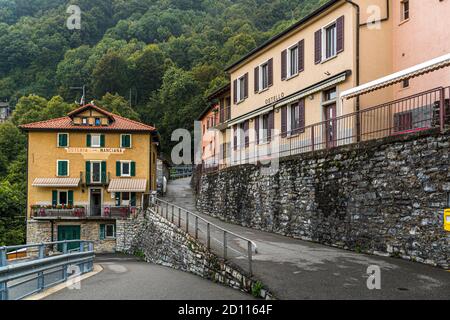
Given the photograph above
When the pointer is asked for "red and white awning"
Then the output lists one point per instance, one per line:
(56, 182)
(127, 185)
(415, 71)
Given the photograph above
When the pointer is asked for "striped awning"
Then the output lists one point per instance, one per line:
(127, 185)
(415, 71)
(56, 182)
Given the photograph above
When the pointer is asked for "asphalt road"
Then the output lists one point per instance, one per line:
(296, 269)
(126, 278)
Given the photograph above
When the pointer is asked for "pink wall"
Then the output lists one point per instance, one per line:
(426, 35)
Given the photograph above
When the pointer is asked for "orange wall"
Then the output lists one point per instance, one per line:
(426, 35)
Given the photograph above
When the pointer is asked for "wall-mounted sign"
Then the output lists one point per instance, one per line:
(96, 150)
(275, 98)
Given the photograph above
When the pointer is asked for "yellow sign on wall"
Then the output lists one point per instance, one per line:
(447, 219)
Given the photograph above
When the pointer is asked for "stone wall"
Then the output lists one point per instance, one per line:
(384, 197)
(41, 231)
(163, 243)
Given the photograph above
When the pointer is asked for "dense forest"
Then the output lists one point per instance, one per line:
(150, 60)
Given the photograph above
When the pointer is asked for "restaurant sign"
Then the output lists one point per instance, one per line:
(96, 150)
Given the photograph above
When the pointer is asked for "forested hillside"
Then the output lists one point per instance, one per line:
(161, 57)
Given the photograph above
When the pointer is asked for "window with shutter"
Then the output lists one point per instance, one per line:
(125, 141)
(301, 56)
(235, 93)
(118, 169)
(63, 140)
(284, 65)
(62, 168)
(292, 63)
(340, 34)
(270, 70)
(88, 172)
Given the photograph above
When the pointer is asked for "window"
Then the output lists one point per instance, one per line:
(126, 198)
(85, 121)
(295, 118)
(264, 76)
(125, 141)
(125, 168)
(265, 128)
(98, 122)
(63, 140)
(110, 231)
(405, 10)
(63, 197)
(62, 168)
(241, 89)
(96, 176)
(293, 61)
(96, 141)
(330, 41)
(405, 83)
(330, 94)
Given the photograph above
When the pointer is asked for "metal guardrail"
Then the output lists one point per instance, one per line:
(45, 271)
(179, 214)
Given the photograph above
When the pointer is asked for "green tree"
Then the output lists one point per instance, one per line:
(110, 75)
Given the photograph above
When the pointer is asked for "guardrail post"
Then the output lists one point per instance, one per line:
(173, 209)
(225, 245)
(250, 257)
(179, 217)
(40, 275)
(187, 222)
(3, 260)
(208, 236)
(196, 227)
(3, 291)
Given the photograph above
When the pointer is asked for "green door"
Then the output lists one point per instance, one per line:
(69, 233)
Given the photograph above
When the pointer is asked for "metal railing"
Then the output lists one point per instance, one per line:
(420, 112)
(85, 212)
(224, 114)
(38, 271)
(214, 237)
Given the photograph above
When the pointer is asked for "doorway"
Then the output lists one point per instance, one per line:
(330, 125)
(95, 202)
(69, 233)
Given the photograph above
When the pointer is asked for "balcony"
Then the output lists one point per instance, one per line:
(83, 212)
(95, 179)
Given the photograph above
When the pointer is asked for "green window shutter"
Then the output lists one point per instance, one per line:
(88, 140)
(66, 140)
(133, 199)
(62, 140)
(128, 141)
(103, 172)
(59, 170)
(102, 140)
(63, 168)
(117, 198)
(102, 234)
(118, 173)
(88, 172)
(133, 169)
(54, 198)
(70, 195)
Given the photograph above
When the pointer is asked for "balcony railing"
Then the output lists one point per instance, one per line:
(84, 212)
(423, 111)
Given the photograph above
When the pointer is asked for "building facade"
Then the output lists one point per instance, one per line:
(286, 93)
(85, 171)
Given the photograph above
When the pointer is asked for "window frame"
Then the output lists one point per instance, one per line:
(92, 162)
(113, 231)
(404, 4)
(57, 168)
(122, 198)
(261, 75)
(58, 199)
(57, 140)
(122, 162)
(238, 89)
(289, 61)
(99, 140)
(325, 41)
(121, 140)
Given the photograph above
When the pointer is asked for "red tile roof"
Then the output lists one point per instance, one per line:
(66, 123)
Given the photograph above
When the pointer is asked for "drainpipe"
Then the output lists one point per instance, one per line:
(357, 73)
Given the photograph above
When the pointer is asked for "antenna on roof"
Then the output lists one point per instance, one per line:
(83, 97)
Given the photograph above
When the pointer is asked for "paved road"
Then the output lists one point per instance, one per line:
(295, 269)
(126, 278)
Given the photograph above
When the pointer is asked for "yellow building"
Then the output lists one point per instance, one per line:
(85, 171)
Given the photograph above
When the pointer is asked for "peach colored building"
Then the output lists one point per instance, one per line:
(286, 92)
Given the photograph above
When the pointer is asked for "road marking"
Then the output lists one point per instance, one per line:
(44, 294)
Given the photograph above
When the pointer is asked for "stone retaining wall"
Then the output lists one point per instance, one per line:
(161, 242)
(384, 197)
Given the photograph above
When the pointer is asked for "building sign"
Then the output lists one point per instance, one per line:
(275, 98)
(96, 150)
